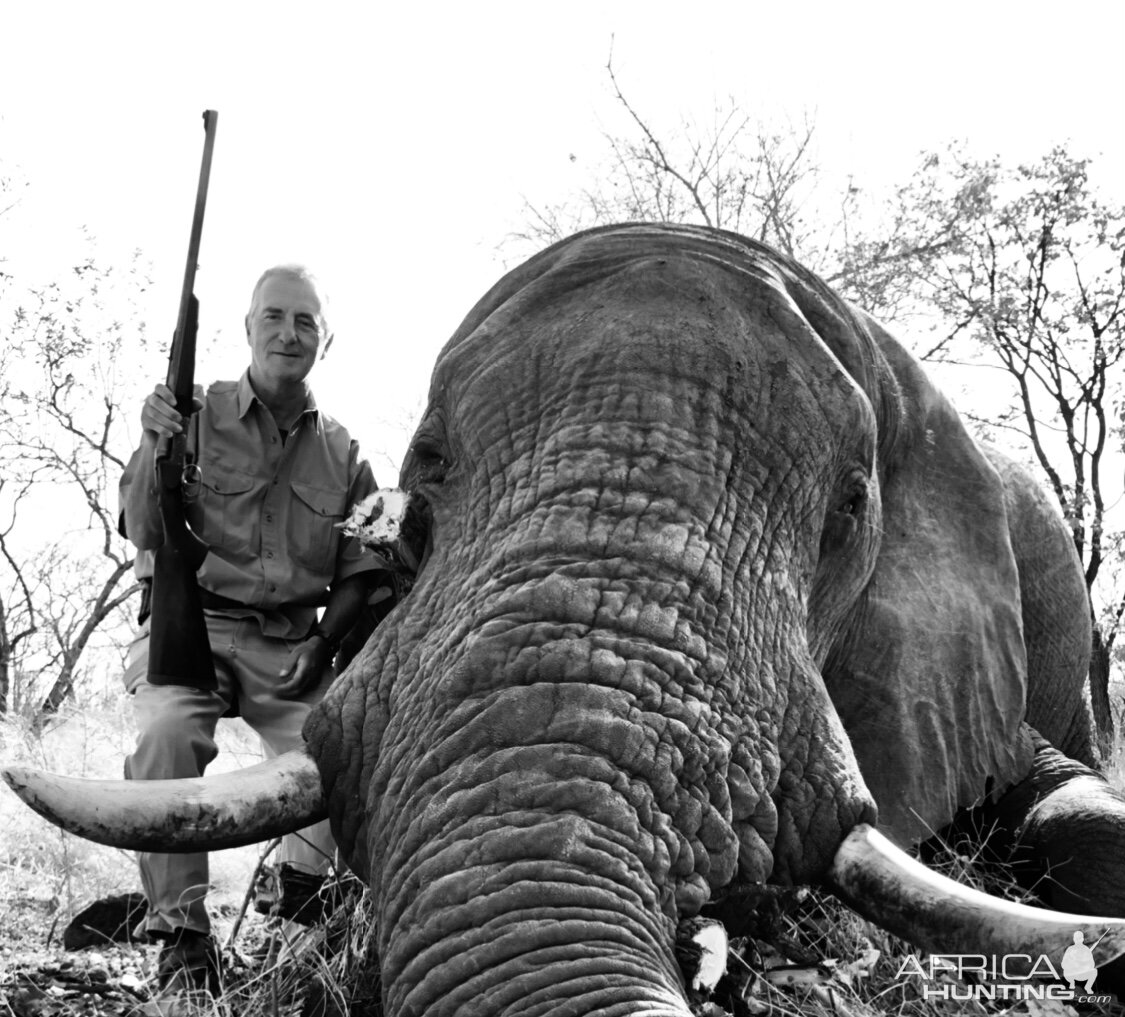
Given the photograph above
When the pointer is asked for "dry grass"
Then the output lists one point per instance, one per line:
(323, 971)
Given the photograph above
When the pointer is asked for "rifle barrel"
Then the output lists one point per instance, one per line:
(185, 330)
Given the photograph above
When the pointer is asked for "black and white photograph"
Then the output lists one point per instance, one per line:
(592, 510)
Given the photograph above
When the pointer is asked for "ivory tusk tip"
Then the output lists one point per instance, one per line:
(18, 778)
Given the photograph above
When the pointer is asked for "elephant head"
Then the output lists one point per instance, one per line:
(712, 578)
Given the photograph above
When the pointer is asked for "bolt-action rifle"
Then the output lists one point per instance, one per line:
(179, 650)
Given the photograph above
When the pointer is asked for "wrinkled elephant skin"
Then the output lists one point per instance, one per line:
(711, 572)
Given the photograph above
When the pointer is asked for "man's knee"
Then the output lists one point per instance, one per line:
(172, 740)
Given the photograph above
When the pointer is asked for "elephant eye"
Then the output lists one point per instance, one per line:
(854, 504)
(842, 522)
(428, 462)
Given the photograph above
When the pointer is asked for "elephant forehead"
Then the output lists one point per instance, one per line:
(670, 339)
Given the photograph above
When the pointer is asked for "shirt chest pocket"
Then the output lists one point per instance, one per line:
(225, 510)
(313, 525)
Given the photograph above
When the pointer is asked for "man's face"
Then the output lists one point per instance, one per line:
(285, 331)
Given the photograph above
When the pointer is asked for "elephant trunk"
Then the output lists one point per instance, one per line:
(550, 793)
(525, 885)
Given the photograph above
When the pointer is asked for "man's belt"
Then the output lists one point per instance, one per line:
(217, 602)
(210, 601)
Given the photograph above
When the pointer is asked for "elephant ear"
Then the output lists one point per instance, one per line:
(930, 678)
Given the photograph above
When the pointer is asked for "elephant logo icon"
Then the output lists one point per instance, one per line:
(1078, 964)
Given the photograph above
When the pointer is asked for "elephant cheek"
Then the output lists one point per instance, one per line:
(817, 793)
(344, 734)
(754, 817)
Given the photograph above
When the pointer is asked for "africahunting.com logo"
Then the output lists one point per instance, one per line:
(1018, 976)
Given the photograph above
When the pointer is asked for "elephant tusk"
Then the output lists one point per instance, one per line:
(939, 915)
(227, 810)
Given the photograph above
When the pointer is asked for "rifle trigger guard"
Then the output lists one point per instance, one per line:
(191, 478)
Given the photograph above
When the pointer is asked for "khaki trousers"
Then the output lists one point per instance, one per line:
(176, 738)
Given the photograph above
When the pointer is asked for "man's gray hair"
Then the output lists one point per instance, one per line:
(301, 273)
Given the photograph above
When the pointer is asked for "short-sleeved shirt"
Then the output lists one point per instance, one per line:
(269, 506)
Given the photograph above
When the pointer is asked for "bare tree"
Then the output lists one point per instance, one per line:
(64, 570)
(734, 173)
(742, 174)
(1026, 268)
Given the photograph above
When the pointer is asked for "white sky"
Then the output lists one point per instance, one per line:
(391, 149)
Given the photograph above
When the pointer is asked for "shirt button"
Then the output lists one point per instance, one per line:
(269, 554)
(273, 440)
(273, 589)
(269, 519)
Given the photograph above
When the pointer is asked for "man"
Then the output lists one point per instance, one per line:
(276, 476)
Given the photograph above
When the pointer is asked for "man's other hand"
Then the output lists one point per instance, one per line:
(305, 667)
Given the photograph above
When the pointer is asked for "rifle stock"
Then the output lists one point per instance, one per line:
(179, 649)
